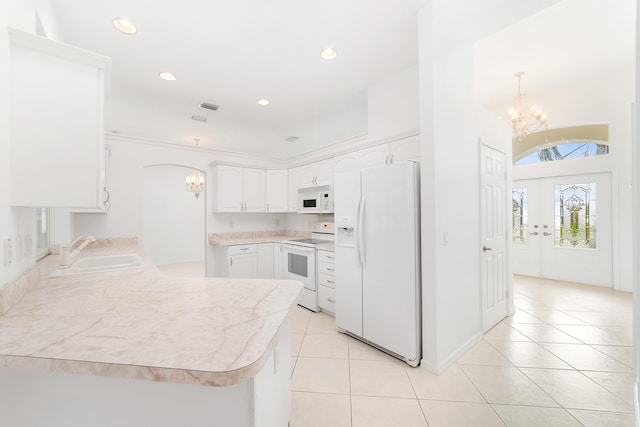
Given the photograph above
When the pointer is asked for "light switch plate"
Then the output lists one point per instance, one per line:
(8, 252)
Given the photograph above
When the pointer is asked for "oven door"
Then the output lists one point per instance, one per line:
(300, 264)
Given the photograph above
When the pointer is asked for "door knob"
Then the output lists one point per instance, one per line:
(546, 234)
(486, 248)
(535, 233)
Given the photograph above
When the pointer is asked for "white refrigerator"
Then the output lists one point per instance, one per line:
(378, 291)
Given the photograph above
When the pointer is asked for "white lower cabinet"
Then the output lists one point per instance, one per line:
(278, 268)
(254, 261)
(265, 261)
(237, 261)
(326, 281)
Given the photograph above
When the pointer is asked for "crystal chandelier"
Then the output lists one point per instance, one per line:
(195, 181)
(525, 120)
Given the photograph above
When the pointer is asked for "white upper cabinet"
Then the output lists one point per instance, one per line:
(56, 120)
(277, 190)
(390, 153)
(253, 190)
(374, 156)
(319, 173)
(228, 188)
(324, 172)
(405, 149)
(346, 163)
(295, 175)
(238, 189)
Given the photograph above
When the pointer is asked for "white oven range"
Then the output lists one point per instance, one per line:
(300, 262)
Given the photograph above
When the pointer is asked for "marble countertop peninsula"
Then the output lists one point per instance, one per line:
(141, 324)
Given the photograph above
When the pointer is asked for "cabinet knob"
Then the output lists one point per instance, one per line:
(546, 234)
(486, 248)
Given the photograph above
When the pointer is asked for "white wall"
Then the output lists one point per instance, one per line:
(451, 121)
(173, 219)
(394, 105)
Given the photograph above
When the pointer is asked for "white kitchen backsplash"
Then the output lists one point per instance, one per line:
(302, 222)
(244, 221)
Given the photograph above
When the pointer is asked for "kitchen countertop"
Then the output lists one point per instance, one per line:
(141, 324)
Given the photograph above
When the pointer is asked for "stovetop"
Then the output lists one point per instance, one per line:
(309, 241)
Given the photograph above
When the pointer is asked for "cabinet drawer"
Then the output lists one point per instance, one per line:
(326, 268)
(243, 249)
(327, 299)
(326, 256)
(326, 280)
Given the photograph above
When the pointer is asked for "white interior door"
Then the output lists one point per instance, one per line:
(568, 229)
(493, 206)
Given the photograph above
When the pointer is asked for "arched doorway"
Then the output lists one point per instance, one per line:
(174, 231)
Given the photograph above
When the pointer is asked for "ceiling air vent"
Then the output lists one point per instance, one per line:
(199, 118)
(208, 106)
(292, 138)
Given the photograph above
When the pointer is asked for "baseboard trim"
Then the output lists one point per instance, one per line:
(441, 366)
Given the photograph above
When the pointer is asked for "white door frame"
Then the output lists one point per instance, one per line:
(507, 243)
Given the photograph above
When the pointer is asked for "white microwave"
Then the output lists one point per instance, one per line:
(316, 200)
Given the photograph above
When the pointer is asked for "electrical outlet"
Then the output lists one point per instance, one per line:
(8, 252)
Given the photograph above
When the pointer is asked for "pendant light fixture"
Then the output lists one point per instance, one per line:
(195, 181)
(525, 119)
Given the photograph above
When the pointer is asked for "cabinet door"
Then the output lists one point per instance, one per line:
(294, 184)
(228, 187)
(56, 121)
(374, 156)
(324, 172)
(243, 266)
(278, 268)
(346, 163)
(405, 149)
(265, 261)
(277, 190)
(307, 176)
(253, 190)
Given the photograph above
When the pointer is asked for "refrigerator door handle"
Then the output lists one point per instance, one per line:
(356, 233)
(360, 235)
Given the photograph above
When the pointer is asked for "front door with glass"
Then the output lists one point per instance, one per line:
(562, 228)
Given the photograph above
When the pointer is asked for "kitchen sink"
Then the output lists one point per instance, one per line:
(108, 262)
(100, 263)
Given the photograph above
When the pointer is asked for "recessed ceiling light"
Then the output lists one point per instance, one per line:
(199, 118)
(328, 53)
(263, 101)
(125, 26)
(292, 138)
(167, 75)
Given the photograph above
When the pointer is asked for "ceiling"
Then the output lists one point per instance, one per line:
(569, 49)
(232, 53)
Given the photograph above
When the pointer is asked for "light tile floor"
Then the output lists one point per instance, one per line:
(563, 359)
